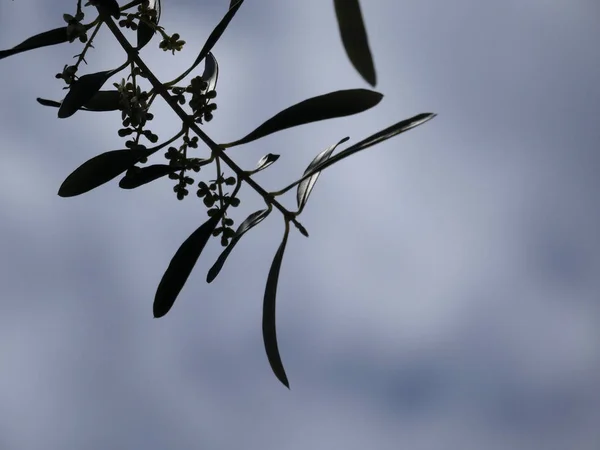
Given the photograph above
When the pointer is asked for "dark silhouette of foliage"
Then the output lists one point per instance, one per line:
(194, 102)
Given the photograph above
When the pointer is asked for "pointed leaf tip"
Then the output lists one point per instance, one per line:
(268, 322)
(328, 106)
(81, 92)
(52, 37)
(181, 266)
(354, 38)
(99, 170)
(251, 221)
(305, 187)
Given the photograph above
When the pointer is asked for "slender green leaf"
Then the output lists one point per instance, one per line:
(354, 38)
(82, 91)
(251, 221)
(52, 37)
(138, 176)
(99, 170)
(181, 266)
(305, 187)
(102, 101)
(268, 319)
(214, 36)
(327, 106)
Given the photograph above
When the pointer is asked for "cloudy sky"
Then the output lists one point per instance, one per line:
(447, 297)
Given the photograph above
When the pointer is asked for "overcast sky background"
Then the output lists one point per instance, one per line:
(447, 298)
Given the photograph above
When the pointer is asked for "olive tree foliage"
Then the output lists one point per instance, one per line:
(132, 88)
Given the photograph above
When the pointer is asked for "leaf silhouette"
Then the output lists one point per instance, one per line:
(52, 37)
(82, 91)
(376, 138)
(143, 175)
(211, 72)
(305, 187)
(383, 135)
(327, 106)
(268, 319)
(265, 162)
(146, 32)
(181, 266)
(354, 38)
(102, 101)
(99, 170)
(214, 36)
(46, 102)
(251, 221)
(107, 7)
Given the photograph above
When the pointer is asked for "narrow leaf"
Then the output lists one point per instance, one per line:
(251, 221)
(387, 133)
(354, 38)
(99, 170)
(376, 138)
(211, 72)
(265, 162)
(181, 266)
(46, 102)
(146, 32)
(143, 175)
(215, 36)
(102, 101)
(82, 91)
(268, 320)
(52, 37)
(306, 186)
(327, 106)
(107, 7)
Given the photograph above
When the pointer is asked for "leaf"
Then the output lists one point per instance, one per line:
(327, 106)
(46, 102)
(211, 72)
(146, 32)
(181, 266)
(107, 7)
(102, 101)
(251, 221)
(376, 138)
(99, 170)
(268, 320)
(354, 38)
(265, 162)
(52, 37)
(144, 175)
(82, 91)
(214, 36)
(305, 187)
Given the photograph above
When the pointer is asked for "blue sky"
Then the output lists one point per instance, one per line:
(446, 299)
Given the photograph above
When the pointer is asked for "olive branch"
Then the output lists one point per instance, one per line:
(194, 104)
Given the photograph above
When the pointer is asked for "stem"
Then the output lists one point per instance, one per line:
(163, 92)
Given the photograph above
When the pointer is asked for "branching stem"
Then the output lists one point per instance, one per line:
(189, 122)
